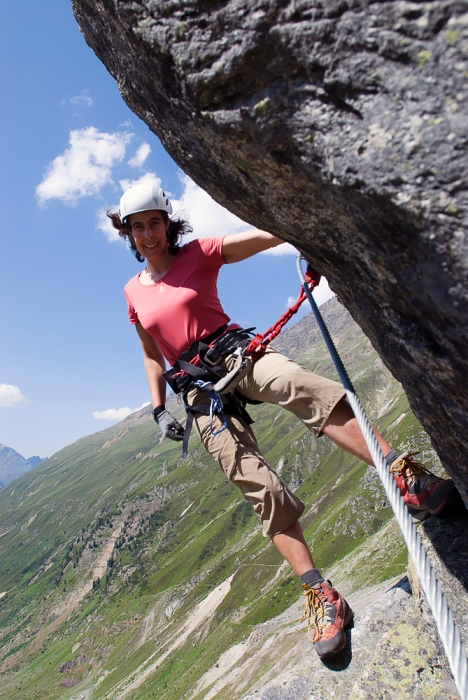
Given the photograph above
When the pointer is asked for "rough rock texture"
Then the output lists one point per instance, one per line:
(395, 651)
(447, 547)
(391, 655)
(341, 126)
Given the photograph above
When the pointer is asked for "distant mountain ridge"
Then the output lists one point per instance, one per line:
(13, 465)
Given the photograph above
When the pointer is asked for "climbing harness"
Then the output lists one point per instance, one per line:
(199, 367)
(216, 404)
(447, 627)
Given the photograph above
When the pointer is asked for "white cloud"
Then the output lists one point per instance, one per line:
(207, 217)
(84, 97)
(11, 396)
(104, 224)
(147, 177)
(140, 156)
(117, 414)
(321, 294)
(85, 167)
(282, 249)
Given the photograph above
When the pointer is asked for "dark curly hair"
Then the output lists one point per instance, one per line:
(177, 228)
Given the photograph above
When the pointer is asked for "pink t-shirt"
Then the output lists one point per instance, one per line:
(184, 306)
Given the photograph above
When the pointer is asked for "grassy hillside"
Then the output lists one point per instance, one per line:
(107, 548)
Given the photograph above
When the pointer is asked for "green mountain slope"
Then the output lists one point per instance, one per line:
(126, 571)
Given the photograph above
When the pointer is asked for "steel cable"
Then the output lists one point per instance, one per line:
(446, 626)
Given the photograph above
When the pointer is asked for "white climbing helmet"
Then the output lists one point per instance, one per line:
(144, 197)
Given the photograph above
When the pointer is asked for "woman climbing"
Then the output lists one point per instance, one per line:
(175, 308)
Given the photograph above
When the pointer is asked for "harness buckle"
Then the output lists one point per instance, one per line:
(242, 366)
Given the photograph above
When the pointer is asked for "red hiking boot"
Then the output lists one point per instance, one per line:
(424, 493)
(329, 614)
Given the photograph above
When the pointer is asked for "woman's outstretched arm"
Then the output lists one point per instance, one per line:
(241, 246)
(154, 366)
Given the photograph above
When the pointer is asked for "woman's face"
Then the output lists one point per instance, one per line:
(149, 231)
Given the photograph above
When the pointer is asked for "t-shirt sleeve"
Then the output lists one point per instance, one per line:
(132, 314)
(212, 249)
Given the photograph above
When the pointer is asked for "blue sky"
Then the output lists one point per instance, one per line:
(70, 364)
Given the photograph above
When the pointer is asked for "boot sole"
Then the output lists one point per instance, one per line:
(445, 497)
(340, 637)
(449, 495)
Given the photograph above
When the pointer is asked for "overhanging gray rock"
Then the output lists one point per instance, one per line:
(341, 126)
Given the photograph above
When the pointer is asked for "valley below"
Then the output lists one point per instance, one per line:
(128, 572)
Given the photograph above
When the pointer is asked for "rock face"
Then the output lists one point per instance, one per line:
(393, 653)
(341, 126)
(447, 547)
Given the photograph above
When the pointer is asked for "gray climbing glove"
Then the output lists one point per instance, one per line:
(170, 427)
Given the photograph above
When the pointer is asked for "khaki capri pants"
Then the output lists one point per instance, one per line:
(277, 380)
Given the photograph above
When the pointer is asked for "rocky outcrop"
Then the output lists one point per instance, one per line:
(391, 654)
(341, 126)
(393, 650)
(446, 545)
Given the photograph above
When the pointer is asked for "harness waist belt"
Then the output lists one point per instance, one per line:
(192, 350)
(198, 365)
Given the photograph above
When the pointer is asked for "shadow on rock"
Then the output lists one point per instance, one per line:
(341, 661)
(447, 538)
(403, 583)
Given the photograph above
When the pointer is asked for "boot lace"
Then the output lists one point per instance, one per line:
(318, 612)
(410, 469)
